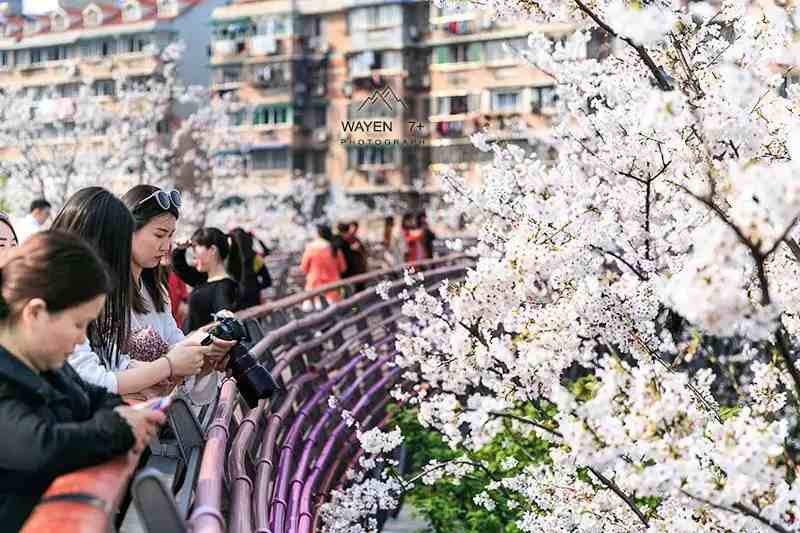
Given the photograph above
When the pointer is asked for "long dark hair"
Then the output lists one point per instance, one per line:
(236, 250)
(152, 278)
(60, 268)
(103, 221)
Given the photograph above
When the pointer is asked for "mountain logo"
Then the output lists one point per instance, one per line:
(385, 95)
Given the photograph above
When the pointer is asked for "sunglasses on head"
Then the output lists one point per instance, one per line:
(165, 199)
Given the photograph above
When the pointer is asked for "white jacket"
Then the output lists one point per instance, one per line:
(88, 365)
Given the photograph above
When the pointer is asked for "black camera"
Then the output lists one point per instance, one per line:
(253, 380)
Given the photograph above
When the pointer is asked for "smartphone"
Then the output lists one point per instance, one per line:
(159, 404)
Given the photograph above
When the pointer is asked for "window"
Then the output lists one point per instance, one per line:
(456, 105)
(92, 17)
(69, 90)
(4, 58)
(167, 8)
(506, 100)
(36, 93)
(57, 53)
(504, 50)
(277, 26)
(271, 115)
(358, 156)
(135, 44)
(229, 74)
(450, 10)
(99, 47)
(458, 53)
(131, 11)
(365, 62)
(367, 18)
(36, 55)
(543, 98)
(59, 22)
(269, 159)
(104, 87)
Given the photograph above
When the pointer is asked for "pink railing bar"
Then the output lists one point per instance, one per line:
(207, 513)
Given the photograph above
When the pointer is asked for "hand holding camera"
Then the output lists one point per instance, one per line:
(253, 380)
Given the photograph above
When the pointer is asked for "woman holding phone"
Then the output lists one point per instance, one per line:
(52, 422)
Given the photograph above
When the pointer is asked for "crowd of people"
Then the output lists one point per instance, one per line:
(88, 326)
(103, 310)
(331, 257)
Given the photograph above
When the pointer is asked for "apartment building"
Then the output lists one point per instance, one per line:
(97, 42)
(373, 96)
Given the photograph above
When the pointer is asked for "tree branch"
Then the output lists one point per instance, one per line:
(618, 491)
(663, 84)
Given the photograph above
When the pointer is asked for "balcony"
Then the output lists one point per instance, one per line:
(261, 45)
(379, 38)
(226, 47)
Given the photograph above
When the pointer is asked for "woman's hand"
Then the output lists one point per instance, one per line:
(218, 348)
(143, 422)
(186, 357)
(183, 245)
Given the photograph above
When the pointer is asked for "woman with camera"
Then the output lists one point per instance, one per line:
(53, 422)
(106, 223)
(153, 328)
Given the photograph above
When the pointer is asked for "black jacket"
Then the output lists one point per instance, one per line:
(50, 424)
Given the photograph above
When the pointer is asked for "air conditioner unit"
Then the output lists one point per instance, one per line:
(319, 90)
(426, 80)
(320, 136)
(347, 89)
(413, 33)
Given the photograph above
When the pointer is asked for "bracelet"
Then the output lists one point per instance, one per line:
(169, 362)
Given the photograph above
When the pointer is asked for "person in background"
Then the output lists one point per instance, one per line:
(412, 239)
(34, 222)
(358, 262)
(217, 277)
(8, 237)
(428, 236)
(323, 263)
(341, 244)
(105, 222)
(255, 275)
(53, 422)
(178, 290)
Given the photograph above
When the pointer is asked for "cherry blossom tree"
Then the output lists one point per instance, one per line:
(634, 303)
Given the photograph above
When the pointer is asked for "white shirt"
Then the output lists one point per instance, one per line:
(88, 365)
(27, 227)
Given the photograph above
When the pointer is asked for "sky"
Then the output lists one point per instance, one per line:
(39, 6)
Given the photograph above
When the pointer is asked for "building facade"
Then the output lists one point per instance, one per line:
(373, 96)
(100, 42)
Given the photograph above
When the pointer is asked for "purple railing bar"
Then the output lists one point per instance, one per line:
(241, 515)
(331, 359)
(265, 465)
(320, 339)
(313, 320)
(297, 299)
(290, 440)
(311, 439)
(305, 517)
(325, 487)
(206, 515)
(348, 446)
